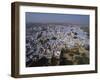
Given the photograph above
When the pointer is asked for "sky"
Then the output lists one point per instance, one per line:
(56, 18)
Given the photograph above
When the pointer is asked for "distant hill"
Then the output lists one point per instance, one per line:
(64, 24)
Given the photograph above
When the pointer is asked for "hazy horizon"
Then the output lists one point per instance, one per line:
(56, 18)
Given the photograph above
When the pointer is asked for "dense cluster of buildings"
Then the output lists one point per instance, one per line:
(56, 44)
